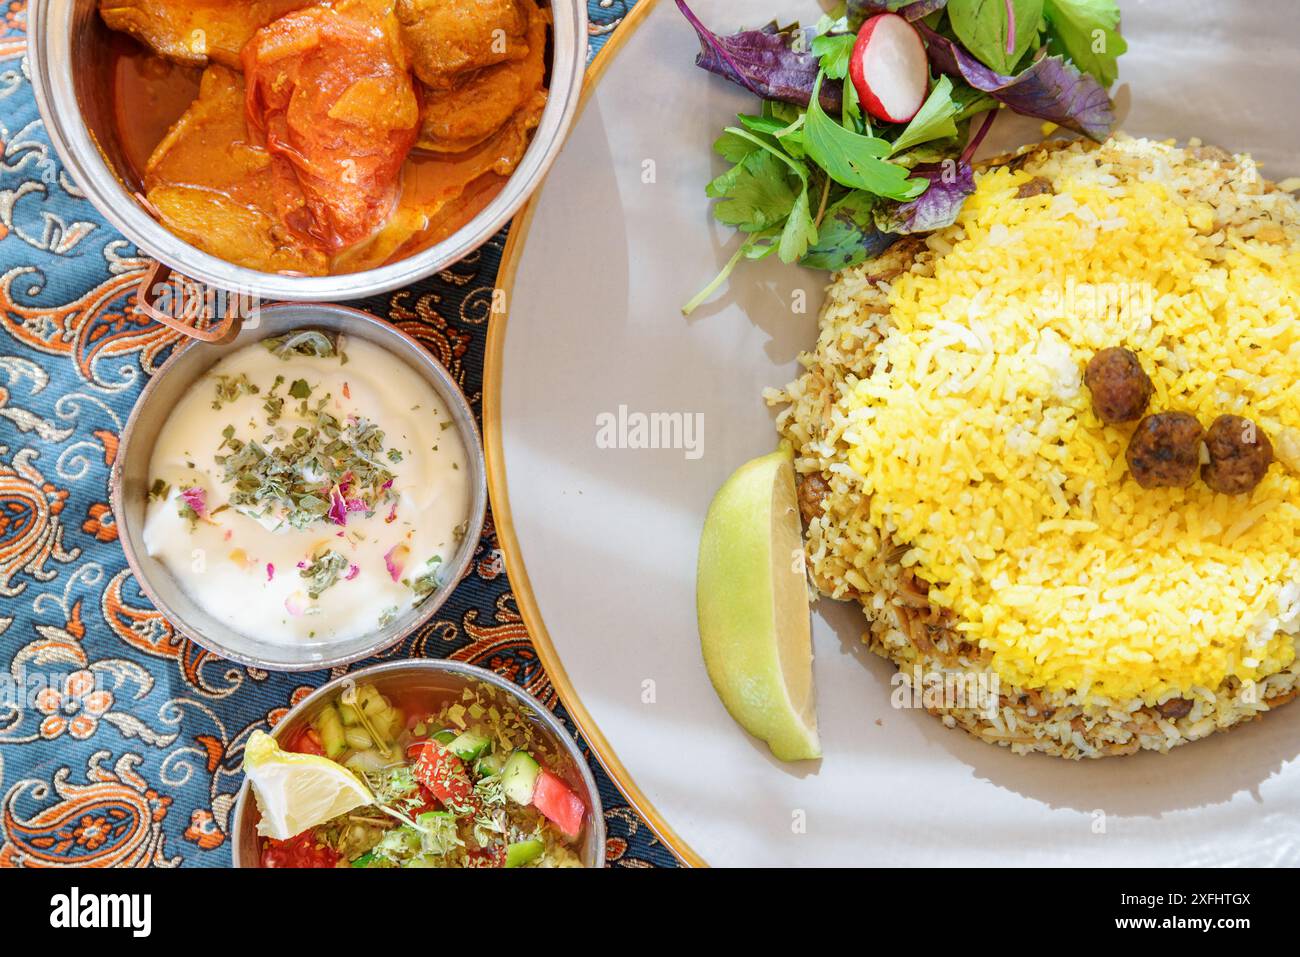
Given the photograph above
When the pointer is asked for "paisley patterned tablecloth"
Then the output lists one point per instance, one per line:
(128, 753)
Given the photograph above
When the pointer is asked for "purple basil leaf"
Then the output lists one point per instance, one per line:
(922, 8)
(950, 183)
(1049, 88)
(765, 63)
(860, 11)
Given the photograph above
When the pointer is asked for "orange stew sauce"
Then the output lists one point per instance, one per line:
(150, 93)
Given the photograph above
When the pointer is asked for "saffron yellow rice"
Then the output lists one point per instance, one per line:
(959, 485)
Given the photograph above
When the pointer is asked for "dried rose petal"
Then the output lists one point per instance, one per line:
(338, 513)
(395, 560)
(197, 499)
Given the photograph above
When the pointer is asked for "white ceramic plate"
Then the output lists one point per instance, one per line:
(601, 542)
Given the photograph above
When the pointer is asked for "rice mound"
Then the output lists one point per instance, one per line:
(955, 481)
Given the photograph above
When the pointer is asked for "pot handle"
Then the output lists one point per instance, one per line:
(159, 274)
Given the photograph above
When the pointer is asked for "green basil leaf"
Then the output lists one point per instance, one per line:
(934, 121)
(1088, 32)
(983, 25)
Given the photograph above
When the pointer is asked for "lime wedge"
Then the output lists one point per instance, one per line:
(298, 791)
(751, 596)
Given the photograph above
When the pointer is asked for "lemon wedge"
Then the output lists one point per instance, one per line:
(752, 601)
(298, 791)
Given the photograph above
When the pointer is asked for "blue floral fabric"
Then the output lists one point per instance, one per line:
(129, 754)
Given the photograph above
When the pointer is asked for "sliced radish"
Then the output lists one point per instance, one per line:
(889, 68)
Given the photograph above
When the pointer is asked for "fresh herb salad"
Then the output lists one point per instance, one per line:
(865, 129)
(376, 781)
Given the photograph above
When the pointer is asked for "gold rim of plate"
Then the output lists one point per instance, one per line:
(499, 491)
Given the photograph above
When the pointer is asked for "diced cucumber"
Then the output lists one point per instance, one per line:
(438, 832)
(519, 777)
(349, 715)
(489, 765)
(330, 728)
(370, 700)
(366, 859)
(524, 852)
(377, 716)
(358, 739)
(364, 762)
(468, 745)
(445, 736)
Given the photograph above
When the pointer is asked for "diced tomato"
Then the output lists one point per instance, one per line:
(559, 804)
(427, 802)
(300, 851)
(487, 857)
(444, 774)
(307, 741)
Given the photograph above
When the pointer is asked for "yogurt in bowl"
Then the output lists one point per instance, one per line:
(308, 487)
(303, 496)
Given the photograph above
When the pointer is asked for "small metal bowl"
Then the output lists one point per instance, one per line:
(68, 47)
(130, 487)
(440, 679)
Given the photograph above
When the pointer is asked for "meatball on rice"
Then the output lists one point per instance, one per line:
(1119, 385)
(1165, 451)
(1240, 455)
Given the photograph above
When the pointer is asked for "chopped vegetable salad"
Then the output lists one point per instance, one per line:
(465, 782)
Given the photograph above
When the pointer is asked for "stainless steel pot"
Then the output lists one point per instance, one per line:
(68, 50)
(130, 489)
(438, 678)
